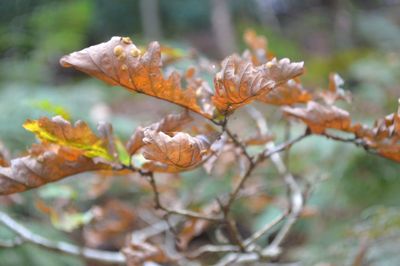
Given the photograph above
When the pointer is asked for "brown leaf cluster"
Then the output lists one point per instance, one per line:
(384, 137)
(120, 62)
(240, 82)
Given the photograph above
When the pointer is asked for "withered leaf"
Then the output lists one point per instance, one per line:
(335, 91)
(169, 124)
(384, 137)
(137, 253)
(195, 227)
(173, 154)
(289, 93)
(110, 224)
(254, 41)
(79, 136)
(239, 82)
(320, 117)
(258, 46)
(45, 163)
(120, 62)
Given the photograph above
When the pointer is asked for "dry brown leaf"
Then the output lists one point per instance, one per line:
(79, 136)
(110, 224)
(320, 117)
(173, 154)
(195, 227)
(45, 163)
(384, 137)
(289, 93)
(169, 124)
(258, 46)
(120, 62)
(335, 91)
(137, 253)
(239, 82)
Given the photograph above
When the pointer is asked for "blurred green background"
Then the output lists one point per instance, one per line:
(359, 39)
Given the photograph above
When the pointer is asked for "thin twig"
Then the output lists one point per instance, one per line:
(255, 236)
(27, 236)
(212, 249)
(183, 212)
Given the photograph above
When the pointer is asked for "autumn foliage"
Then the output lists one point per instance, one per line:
(172, 146)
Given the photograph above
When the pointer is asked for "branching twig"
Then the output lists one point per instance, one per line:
(212, 249)
(263, 230)
(26, 236)
(183, 212)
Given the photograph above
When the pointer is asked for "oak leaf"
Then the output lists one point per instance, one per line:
(120, 62)
(173, 154)
(319, 117)
(45, 163)
(239, 82)
(289, 93)
(79, 136)
(169, 124)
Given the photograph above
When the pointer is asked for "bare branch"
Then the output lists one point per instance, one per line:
(212, 249)
(183, 212)
(263, 230)
(26, 236)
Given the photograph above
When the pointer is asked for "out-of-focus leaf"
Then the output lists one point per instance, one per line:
(45, 163)
(173, 154)
(254, 41)
(258, 46)
(137, 253)
(239, 82)
(289, 93)
(110, 224)
(123, 155)
(52, 109)
(120, 62)
(320, 117)
(171, 54)
(169, 124)
(78, 136)
(195, 227)
(335, 91)
(56, 191)
(65, 220)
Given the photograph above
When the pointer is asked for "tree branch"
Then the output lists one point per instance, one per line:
(183, 212)
(26, 236)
